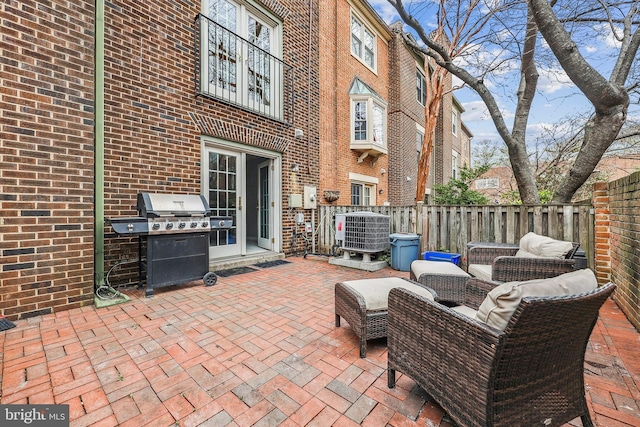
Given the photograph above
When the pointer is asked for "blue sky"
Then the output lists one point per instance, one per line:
(557, 97)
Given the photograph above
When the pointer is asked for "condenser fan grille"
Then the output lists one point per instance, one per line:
(366, 232)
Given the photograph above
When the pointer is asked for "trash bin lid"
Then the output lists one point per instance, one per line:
(403, 236)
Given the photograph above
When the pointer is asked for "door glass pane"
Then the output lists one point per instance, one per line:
(222, 195)
(258, 66)
(223, 45)
(264, 203)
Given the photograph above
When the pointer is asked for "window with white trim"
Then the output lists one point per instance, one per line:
(454, 123)
(454, 165)
(368, 115)
(363, 42)
(419, 139)
(421, 87)
(242, 43)
(362, 194)
(484, 183)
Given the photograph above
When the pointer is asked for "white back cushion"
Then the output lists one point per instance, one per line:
(500, 304)
(534, 245)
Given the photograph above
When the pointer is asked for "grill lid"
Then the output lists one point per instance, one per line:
(154, 205)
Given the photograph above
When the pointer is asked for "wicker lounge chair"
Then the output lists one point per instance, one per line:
(502, 265)
(531, 373)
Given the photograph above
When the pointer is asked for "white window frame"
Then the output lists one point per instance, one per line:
(421, 92)
(419, 138)
(364, 31)
(454, 165)
(366, 183)
(485, 183)
(454, 123)
(372, 137)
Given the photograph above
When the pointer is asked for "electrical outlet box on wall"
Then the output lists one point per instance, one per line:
(310, 198)
(295, 200)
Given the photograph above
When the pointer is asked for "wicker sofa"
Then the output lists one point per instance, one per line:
(510, 262)
(530, 373)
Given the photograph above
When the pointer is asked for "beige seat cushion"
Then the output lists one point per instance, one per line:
(375, 292)
(501, 302)
(481, 271)
(420, 267)
(534, 245)
(467, 311)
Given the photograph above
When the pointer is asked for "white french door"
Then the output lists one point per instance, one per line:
(223, 190)
(243, 183)
(239, 50)
(265, 213)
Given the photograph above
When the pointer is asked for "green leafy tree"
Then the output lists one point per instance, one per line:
(457, 191)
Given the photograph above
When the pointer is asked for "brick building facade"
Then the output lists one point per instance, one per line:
(406, 120)
(346, 79)
(387, 171)
(182, 115)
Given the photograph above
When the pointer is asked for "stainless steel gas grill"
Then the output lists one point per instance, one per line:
(176, 228)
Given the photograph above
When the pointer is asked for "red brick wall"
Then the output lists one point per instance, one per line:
(616, 241)
(154, 120)
(337, 70)
(404, 112)
(46, 156)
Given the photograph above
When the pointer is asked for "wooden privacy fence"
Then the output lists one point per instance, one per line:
(450, 228)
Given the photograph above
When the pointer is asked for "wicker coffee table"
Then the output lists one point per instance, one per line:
(445, 278)
(363, 304)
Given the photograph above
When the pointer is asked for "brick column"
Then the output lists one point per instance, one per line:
(602, 232)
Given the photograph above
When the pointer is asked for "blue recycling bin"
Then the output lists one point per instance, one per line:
(441, 256)
(404, 250)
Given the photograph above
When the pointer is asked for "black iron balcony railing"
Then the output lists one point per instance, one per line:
(231, 69)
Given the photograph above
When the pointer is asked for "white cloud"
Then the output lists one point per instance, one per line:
(387, 12)
(607, 36)
(552, 80)
(474, 111)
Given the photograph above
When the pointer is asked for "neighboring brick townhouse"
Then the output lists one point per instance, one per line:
(372, 110)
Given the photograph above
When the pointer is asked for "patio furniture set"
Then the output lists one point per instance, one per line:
(491, 352)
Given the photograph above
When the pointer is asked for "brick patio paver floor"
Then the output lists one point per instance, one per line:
(256, 349)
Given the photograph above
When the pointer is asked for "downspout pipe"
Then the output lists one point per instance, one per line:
(98, 132)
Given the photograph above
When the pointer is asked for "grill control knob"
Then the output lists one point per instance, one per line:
(130, 227)
(182, 225)
(169, 225)
(155, 226)
(205, 223)
(193, 224)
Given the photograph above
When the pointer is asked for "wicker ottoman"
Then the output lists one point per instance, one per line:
(445, 278)
(363, 304)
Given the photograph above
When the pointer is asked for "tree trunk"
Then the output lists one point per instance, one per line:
(609, 98)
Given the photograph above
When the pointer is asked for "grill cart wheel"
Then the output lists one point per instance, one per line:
(210, 279)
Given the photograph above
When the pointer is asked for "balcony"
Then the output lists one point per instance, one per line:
(233, 70)
(367, 148)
